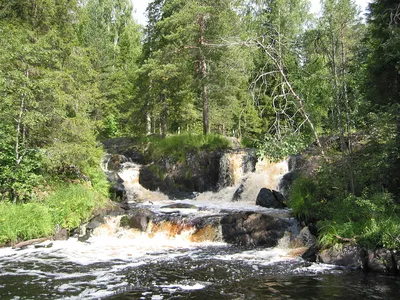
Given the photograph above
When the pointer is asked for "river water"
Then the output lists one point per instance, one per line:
(109, 267)
(121, 263)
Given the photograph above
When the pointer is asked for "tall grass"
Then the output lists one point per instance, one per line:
(68, 207)
(73, 204)
(24, 221)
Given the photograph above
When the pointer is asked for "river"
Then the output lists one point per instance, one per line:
(123, 263)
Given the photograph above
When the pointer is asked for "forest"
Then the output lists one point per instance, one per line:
(74, 73)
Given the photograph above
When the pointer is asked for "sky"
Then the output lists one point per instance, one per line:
(140, 8)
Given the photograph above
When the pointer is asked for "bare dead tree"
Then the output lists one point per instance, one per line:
(283, 90)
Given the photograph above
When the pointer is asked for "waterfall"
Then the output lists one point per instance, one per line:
(124, 174)
(233, 166)
(242, 177)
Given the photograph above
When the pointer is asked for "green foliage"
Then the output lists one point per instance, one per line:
(276, 148)
(177, 146)
(68, 207)
(371, 219)
(72, 205)
(304, 199)
(24, 221)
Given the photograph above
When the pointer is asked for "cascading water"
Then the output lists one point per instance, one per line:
(168, 249)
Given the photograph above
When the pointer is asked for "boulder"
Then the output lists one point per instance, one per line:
(310, 255)
(306, 238)
(270, 199)
(61, 234)
(396, 258)
(198, 173)
(286, 182)
(238, 193)
(253, 229)
(382, 261)
(139, 219)
(348, 255)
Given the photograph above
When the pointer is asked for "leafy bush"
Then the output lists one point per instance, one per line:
(276, 148)
(304, 199)
(371, 220)
(370, 217)
(68, 206)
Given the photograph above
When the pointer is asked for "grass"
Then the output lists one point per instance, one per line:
(178, 146)
(68, 206)
(73, 204)
(24, 221)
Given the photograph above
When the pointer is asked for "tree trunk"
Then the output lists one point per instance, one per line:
(203, 70)
(148, 123)
(206, 125)
(164, 115)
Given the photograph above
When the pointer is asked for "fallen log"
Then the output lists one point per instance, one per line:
(29, 242)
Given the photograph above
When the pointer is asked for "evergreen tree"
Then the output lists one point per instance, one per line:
(383, 78)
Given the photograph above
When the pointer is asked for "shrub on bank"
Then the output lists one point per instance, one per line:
(72, 205)
(371, 219)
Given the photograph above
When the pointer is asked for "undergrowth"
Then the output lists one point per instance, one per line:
(67, 205)
(371, 219)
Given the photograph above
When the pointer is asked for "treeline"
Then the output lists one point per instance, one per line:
(67, 68)
(268, 72)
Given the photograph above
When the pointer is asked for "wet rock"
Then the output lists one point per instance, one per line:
(198, 173)
(382, 261)
(270, 199)
(180, 205)
(306, 238)
(253, 229)
(140, 218)
(117, 192)
(348, 255)
(310, 255)
(238, 193)
(296, 162)
(396, 258)
(234, 164)
(150, 180)
(61, 234)
(286, 183)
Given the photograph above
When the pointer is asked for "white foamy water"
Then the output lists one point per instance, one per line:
(130, 175)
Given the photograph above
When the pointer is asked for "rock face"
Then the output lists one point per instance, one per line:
(349, 256)
(286, 182)
(306, 238)
(198, 173)
(382, 260)
(238, 193)
(270, 199)
(253, 229)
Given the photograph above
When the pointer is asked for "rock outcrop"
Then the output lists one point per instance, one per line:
(253, 229)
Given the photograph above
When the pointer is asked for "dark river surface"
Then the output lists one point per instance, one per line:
(140, 268)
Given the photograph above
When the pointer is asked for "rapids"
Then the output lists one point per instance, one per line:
(170, 261)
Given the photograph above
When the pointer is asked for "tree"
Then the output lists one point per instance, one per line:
(113, 38)
(191, 35)
(383, 76)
